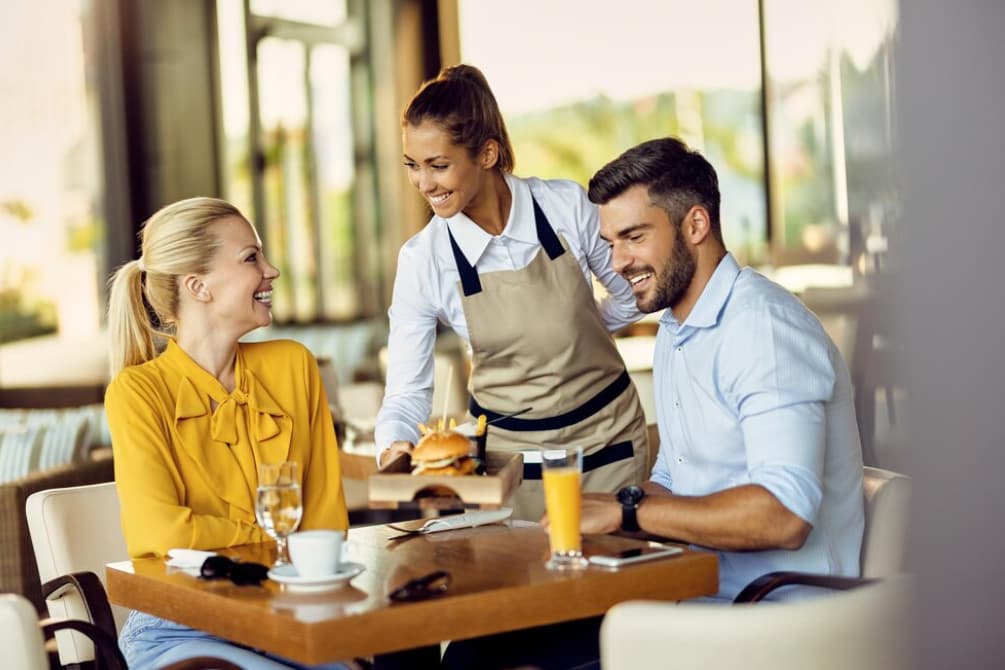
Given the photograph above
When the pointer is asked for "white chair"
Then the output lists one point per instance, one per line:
(20, 637)
(76, 531)
(24, 637)
(887, 502)
(884, 541)
(862, 629)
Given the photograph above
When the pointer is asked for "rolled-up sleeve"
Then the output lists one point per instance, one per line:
(779, 385)
(617, 304)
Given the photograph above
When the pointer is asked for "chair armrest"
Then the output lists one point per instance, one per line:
(202, 663)
(107, 653)
(758, 589)
(91, 592)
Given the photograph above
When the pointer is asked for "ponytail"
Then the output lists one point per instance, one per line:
(131, 335)
(177, 240)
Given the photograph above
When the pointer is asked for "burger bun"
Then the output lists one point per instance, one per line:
(443, 452)
(441, 444)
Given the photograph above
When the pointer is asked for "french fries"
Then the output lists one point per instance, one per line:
(438, 426)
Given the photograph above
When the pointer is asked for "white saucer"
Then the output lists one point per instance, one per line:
(287, 576)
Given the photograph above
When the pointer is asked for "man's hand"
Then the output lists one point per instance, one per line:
(601, 513)
(392, 452)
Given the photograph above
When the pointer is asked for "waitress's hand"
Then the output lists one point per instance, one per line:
(395, 450)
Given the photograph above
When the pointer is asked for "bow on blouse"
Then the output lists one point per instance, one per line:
(223, 424)
(262, 409)
(269, 428)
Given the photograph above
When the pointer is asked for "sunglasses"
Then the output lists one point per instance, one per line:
(242, 574)
(433, 584)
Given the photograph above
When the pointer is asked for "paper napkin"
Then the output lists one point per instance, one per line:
(188, 560)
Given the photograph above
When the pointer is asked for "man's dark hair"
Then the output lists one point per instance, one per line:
(677, 178)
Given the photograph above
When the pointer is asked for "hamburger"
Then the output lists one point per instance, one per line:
(443, 452)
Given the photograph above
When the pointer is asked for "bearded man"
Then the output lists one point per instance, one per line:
(759, 455)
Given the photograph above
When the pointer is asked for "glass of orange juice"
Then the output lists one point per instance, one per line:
(562, 470)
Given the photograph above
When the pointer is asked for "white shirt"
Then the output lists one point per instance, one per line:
(426, 288)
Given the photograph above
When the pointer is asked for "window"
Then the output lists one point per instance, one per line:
(830, 137)
(51, 187)
(587, 83)
(296, 145)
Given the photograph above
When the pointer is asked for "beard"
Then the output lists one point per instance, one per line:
(672, 280)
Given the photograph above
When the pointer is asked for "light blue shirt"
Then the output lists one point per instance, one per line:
(751, 390)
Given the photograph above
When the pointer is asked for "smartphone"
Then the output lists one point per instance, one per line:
(634, 555)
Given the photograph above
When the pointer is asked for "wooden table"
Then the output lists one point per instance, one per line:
(499, 584)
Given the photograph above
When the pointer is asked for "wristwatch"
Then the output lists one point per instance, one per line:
(630, 498)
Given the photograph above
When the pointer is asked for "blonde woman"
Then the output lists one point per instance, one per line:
(190, 424)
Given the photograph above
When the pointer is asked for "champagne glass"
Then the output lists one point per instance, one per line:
(278, 506)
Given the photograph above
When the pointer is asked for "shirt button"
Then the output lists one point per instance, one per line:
(681, 460)
(676, 403)
(680, 349)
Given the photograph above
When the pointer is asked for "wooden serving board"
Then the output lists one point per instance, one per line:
(394, 487)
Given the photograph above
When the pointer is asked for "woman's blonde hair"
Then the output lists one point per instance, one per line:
(177, 240)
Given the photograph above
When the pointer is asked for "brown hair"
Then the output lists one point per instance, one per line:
(676, 177)
(460, 101)
(177, 240)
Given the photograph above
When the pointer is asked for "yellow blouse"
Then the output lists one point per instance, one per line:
(187, 476)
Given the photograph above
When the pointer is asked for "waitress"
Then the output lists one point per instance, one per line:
(508, 264)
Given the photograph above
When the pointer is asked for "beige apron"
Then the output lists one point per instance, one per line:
(538, 341)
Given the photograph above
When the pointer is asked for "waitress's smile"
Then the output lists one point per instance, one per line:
(439, 199)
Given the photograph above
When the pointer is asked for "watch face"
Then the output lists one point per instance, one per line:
(630, 495)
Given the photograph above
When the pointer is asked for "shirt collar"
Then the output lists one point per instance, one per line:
(712, 299)
(473, 240)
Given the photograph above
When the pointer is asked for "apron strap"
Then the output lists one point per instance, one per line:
(573, 416)
(471, 284)
(612, 453)
(546, 234)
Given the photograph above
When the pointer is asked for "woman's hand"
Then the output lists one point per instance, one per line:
(395, 450)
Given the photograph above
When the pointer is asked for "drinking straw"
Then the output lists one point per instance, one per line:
(446, 396)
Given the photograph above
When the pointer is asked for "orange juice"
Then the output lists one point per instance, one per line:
(563, 500)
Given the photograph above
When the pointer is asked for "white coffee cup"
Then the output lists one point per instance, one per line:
(316, 553)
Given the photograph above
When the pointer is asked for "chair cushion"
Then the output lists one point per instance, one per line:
(65, 441)
(20, 447)
(97, 433)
